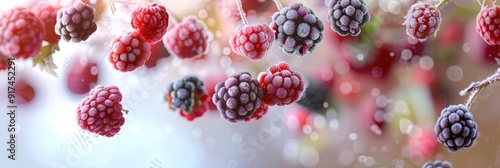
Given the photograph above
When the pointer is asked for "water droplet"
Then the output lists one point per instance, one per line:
(307, 129)
(353, 136)
(466, 47)
(360, 57)
(406, 54)
(314, 136)
(381, 101)
(202, 14)
(225, 61)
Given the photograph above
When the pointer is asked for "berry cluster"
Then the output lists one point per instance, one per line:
(101, 112)
(75, 23)
(422, 20)
(281, 86)
(437, 164)
(252, 41)
(488, 25)
(151, 22)
(188, 39)
(456, 128)
(129, 51)
(188, 97)
(347, 16)
(297, 30)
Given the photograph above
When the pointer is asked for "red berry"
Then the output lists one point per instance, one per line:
(252, 41)
(151, 22)
(4, 62)
(129, 52)
(24, 91)
(422, 144)
(281, 86)
(188, 39)
(82, 76)
(75, 23)
(422, 20)
(48, 15)
(21, 33)
(259, 113)
(101, 112)
(487, 24)
(198, 110)
(158, 51)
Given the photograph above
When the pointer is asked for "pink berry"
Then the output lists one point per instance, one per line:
(129, 52)
(48, 15)
(101, 112)
(423, 144)
(25, 92)
(252, 41)
(151, 22)
(422, 20)
(75, 23)
(281, 86)
(21, 33)
(188, 39)
(82, 76)
(488, 26)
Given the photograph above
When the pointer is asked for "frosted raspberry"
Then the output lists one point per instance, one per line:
(21, 33)
(188, 96)
(259, 113)
(101, 112)
(151, 22)
(456, 128)
(281, 86)
(488, 24)
(252, 41)
(48, 15)
(238, 97)
(437, 164)
(188, 39)
(76, 23)
(297, 30)
(129, 52)
(422, 20)
(347, 17)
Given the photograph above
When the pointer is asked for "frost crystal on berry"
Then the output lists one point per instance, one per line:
(187, 95)
(281, 86)
(21, 33)
(252, 41)
(188, 39)
(437, 164)
(422, 20)
(488, 24)
(129, 52)
(347, 16)
(101, 112)
(296, 29)
(151, 22)
(76, 23)
(456, 128)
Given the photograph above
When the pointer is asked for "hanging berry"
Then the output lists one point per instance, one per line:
(488, 26)
(188, 96)
(347, 16)
(456, 128)
(151, 22)
(129, 52)
(422, 21)
(282, 86)
(76, 23)
(188, 39)
(48, 14)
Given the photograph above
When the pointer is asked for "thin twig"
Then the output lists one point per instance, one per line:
(277, 2)
(242, 13)
(440, 4)
(476, 87)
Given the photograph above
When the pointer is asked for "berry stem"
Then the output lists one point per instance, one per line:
(441, 4)
(242, 14)
(277, 2)
(476, 87)
(124, 111)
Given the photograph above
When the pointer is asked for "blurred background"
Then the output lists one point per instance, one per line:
(372, 100)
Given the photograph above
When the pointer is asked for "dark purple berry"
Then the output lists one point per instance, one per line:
(347, 16)
(456, 128)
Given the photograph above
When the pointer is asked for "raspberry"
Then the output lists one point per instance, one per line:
(101, 112)
(456, 128)
(281, 86)
(257, 114)
(187, 94)
(252, 41)
(238, 97)
(487, 24)
(437, 164)
(188, 39)
(21, 33)
(297, 30)
(422, 20)
(75, 23)
(151, 22)
(347, 17)
(315, 97)
(129, 52)
(48, 15)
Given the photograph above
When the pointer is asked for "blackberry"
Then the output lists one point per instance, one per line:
(347, 16)
(297, 30)
(238, 97)
(437, 164)
(456, 128)
(75, 23)
(315, 97)
(185, 94)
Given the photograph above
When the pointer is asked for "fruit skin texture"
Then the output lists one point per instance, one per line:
(151, 22)
(259, 113)
(347, 17)
(297, 30)
(422, 20)
(81, 78)
(252, 41)
(488, 26)
(21, 33)
(437, 164)
(129, 52)
(188, 39)
(48, 14)
(187, 95)
(456, 128)
(101, 111)
(281, 86)
(75, 23)
(238, 97)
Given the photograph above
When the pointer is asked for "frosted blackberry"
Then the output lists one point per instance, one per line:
(347, 16)
(185, 94)
(456, 128)
(75, 23)
(437, 164)
(297, 30)
(238, 97)
(315, 97)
